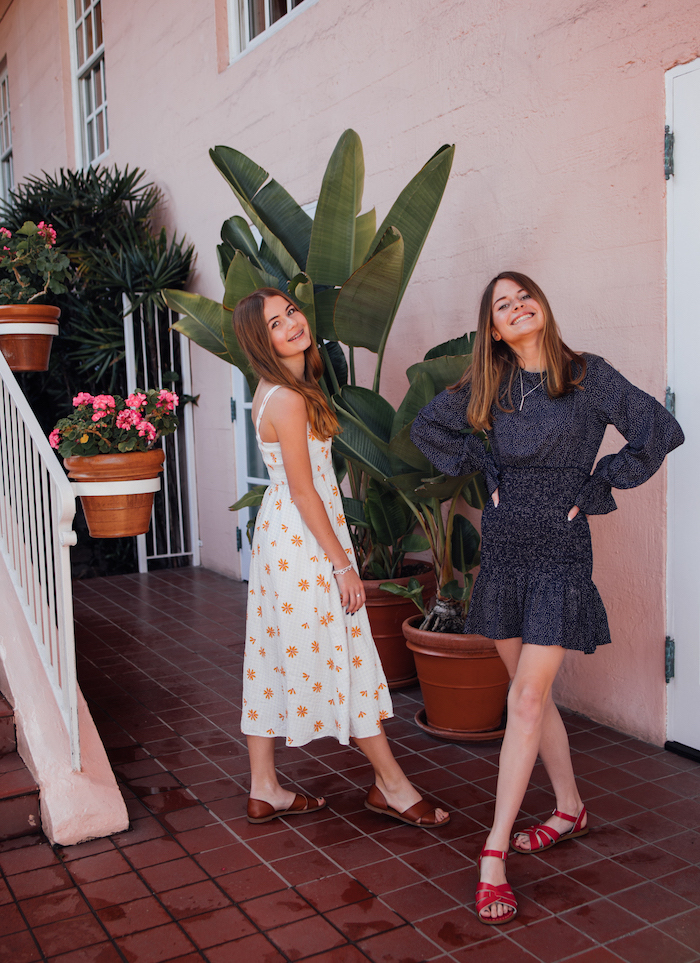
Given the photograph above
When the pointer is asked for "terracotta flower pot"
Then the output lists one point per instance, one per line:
(26, 334)
(386, 614)
(115, 516)
(463, 681)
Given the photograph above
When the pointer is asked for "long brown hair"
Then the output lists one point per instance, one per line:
(254, 337)
(495, 365)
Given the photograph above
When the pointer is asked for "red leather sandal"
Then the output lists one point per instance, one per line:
(544, 837)
(487, 894)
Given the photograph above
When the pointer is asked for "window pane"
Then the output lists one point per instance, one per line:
(256, 465)
(98, 25)
(78, 10)
(90, 146)
(105, 127)
(278, 8)
(87, 94)
(88, 35)
(98, 85)
(256, 17)
(79, 45)
(100, 122)
(295, 3)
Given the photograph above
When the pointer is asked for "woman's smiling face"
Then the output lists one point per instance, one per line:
(515, 315)
(289, 329)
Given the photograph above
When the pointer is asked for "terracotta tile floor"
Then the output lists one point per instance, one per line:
(160, 663)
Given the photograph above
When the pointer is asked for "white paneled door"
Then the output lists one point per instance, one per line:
(683, 119)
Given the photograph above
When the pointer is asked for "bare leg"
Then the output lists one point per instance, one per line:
(389, 776)
(264, 783)
(533, 668)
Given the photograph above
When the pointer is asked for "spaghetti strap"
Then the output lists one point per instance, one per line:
(265, 400)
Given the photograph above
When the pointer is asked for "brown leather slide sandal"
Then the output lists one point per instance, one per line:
(262, 812)
(417, 815)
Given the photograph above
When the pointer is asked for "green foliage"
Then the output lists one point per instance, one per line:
(32, 268)
(103, 221)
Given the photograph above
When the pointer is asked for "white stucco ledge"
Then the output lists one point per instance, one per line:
(75, 806)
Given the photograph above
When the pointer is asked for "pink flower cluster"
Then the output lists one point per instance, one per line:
(83, 398)
(135, 400)
(128, 419)
(55, 438)
(47, 232)
(5, 233)
(168, 399)
(101, 405)
(146, 428)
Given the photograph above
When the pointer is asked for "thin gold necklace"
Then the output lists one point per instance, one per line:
(523, 393)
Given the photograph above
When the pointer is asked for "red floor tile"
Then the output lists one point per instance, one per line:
(194, 899)
(99, 953)
(651, 902)
(551, 939)
(363, 919)
(155, 946)
(141, 914)
(334, 891)
(69, 934)
(254, 948)
(19, 948)
(39, 881)
(216, 927)
(54, 906)
(277, 909)
(652, 946)
(306, 937)
(405, 944)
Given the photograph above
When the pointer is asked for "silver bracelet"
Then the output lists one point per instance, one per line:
(342, 571)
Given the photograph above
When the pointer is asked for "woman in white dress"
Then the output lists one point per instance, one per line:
(311, 668)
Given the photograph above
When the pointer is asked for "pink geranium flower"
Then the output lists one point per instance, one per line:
(47, 232)
(135, 400)
(103, 402)
(168, 399)
(145, 428)
(55, 436)
(82, 398)
(5, 233)
(128, 419)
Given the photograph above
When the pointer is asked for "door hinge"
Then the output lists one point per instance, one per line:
(239, 542)
(233, 409)
(671, 401)
(668, 152)
(670, 658)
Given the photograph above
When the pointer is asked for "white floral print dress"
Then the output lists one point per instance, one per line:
(310, 670)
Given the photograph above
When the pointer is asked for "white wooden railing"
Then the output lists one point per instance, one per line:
(37, 508)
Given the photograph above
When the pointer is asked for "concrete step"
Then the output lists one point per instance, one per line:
(19, 794)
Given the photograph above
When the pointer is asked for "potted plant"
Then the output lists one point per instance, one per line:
(31, 269)
(348, 277)
(463, 680)
(107, 444)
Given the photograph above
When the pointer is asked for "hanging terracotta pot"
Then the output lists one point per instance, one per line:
(463, 681)
(26, 334)
(124, 513)
(386, 614)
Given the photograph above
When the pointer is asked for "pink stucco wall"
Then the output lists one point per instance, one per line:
(557, 111)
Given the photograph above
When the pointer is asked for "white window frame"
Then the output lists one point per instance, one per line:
(240, 41)
(7, 177)
(84, 77)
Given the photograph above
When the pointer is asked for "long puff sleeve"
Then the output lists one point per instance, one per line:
(651, 432)
(441, 432)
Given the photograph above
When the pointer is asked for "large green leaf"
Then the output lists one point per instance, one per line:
(242, 279)
(404, 454)
(415, 208)
(388, 515)
(302, 290)
(441, 487)
(354, 511)
(236, 232)
(420, 393)
(325, 306)
(443, 371)
(283, 225)
(365, 305)
(465, 544)
(251, 499)
(372, 412)
(463, 345)
(201, 320)
(365, 229)
(355, 445)
(332, 246)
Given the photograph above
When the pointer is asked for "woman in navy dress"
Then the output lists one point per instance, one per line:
(544, 410)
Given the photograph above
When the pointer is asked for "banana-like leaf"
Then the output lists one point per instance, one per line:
(286, 219)
(465, 544)
(405, 457)
(371, 412)
(415, 208)
(388, 515)
(242, 279)
(302, 290)
(236, 232)
(325, 306)
(365, 229)
(332, 246)
(353, 443)
(251, 499)
(412, 591)
(463, 345)
(420, 393)
(338, 360)
(414, 543)
(354, 512)
(364, 309)
(201, 320)
(441, 487)
(224, 255)
(475, 492)
(236, 354)
(443, 371)
(245, 179)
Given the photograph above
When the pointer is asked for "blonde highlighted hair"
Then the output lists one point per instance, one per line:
(253, 336)
(495, 365)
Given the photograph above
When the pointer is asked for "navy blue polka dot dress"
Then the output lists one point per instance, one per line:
(535, 578)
